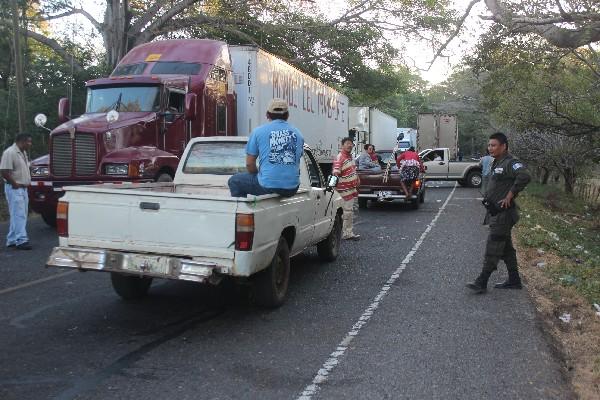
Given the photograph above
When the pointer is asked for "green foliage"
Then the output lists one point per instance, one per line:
(554, 221)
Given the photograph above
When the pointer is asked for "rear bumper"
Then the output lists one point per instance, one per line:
(167, 267)
(392, 197)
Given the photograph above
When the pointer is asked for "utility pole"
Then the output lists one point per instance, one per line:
(18, 66)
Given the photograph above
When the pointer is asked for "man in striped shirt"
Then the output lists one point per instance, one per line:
(344, 167)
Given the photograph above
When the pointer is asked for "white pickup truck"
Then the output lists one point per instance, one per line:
(191, 229)
(440, 167)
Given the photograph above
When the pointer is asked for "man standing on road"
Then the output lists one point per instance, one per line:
(14, 168)
(486, 170)
(508, 177)
(344, 167)
(278, 146)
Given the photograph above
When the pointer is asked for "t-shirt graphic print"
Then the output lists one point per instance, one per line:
(283, 147)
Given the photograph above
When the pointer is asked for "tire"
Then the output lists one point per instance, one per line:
(164, 177)
(422, 197)
(474, 179)
(49, 218)
(130, 287)
(363, 203)
(462, 182)
(269, 287)
(329, 248)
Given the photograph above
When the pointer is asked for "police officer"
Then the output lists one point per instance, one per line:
(508, 177)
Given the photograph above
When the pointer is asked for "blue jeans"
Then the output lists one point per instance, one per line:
(18, 202)
(243, 184)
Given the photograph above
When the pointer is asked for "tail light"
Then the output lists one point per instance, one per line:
(62, 219)
(244, 231)
(417, 183)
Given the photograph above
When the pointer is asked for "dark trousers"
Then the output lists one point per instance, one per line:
(499, 245)
(243, 184)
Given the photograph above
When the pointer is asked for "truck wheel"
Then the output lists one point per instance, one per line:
(474, 179)
(50, 218)
(362, 202)
(164, 177)
(270, 286)
(130, 287)
(329, 248)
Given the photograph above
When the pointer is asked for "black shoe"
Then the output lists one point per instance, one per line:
(24, 246)
(508, 285)
(10, 246)
(476, 288)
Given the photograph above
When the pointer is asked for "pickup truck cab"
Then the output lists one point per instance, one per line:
(374, 187)
(191, 229)
(440, 168)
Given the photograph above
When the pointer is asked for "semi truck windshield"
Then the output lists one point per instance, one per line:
(122, 98)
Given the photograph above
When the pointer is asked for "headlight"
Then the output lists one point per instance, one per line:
(39, 171)
(116, 169)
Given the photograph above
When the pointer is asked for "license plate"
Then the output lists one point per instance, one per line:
(145, 264)
(384, 193)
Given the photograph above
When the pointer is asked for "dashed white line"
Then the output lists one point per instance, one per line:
(333, 360)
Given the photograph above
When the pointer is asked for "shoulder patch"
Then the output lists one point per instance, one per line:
(517, 166)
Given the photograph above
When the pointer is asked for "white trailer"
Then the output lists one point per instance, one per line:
(320, 112)
(409, 138)
(373, 127)
(437, 131)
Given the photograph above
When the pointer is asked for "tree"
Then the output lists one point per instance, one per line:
(548, 150)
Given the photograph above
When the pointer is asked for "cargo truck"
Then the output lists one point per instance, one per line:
(437, 131)
(372, 126)
(138, 121)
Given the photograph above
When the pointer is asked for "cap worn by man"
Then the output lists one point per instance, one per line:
(278, 106)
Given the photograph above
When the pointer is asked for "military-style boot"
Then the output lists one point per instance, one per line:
(513, 281)
(480, 284)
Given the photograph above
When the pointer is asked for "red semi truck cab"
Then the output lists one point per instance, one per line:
(138, 121)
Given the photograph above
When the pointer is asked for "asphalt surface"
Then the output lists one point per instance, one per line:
(390, 319)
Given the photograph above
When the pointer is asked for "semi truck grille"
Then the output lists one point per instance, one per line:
(62, 154)
(85, 155)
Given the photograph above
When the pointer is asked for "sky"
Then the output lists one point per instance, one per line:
(417, 55)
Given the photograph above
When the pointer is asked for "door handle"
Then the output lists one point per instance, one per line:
(149, 206)
(318, 196)
(441, 163)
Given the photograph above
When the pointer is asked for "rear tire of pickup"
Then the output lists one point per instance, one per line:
(363, 203)
(130, 287)
(329, 248)
(474, 179)
(49, 218)
(422, 197)
(414, 204)
(269, 287)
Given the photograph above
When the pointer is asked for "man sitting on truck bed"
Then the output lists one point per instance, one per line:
(278, 146)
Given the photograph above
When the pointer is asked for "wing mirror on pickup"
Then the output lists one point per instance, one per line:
(332, 182)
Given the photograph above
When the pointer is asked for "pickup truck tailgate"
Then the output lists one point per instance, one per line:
(152, 222)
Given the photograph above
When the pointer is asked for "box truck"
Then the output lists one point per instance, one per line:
(372, 126)
(437, 131)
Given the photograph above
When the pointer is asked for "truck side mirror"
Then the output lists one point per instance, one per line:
(190, 106)
(64, 108)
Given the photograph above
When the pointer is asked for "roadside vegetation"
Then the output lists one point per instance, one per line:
(559, 251)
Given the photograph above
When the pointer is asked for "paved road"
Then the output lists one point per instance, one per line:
(389, 320)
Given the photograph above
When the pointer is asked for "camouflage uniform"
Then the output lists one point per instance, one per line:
(507, 174)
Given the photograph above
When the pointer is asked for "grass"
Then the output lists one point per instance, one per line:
(556, 222)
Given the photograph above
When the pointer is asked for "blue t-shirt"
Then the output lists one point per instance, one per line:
(279, 147)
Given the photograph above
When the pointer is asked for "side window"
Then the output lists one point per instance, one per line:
(314, 173)
(221, 119)
(175, 103)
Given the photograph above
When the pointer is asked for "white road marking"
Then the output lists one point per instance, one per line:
(333, 360)
(27, 284)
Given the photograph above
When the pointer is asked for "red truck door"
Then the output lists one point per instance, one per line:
(174, 130)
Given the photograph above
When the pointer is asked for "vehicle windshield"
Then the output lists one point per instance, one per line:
(216, 158)
(385, 156)
(122, 98)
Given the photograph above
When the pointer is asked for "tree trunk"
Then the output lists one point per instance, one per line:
(18, 67)
(115, 31)
(545, 176)
(569, 176)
